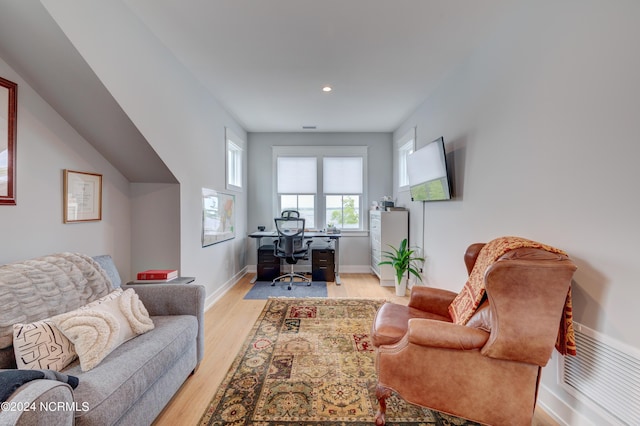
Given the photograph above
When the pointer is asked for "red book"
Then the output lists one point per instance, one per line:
(158, 274)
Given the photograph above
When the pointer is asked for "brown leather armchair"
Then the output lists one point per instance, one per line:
(487, 370)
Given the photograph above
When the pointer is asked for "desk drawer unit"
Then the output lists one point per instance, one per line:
(323, 264)
(268, 264)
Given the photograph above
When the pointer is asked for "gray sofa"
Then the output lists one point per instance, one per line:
(133, 383)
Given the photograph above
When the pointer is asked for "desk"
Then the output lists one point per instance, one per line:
(259, 235)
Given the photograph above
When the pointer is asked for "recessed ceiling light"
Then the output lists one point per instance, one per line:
(327, 89)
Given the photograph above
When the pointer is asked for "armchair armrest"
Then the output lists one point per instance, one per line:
(471, 255)
(527, 289)
(36, 396)
(429, 299)
(439, 334)
(174, 299)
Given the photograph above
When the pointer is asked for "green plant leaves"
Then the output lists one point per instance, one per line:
(403, 260)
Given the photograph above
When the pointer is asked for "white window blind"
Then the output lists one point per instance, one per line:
(342, 175)
(297, 175)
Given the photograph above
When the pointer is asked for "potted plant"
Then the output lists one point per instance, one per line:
(403, 260)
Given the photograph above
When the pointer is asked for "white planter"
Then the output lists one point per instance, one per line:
(401, 287)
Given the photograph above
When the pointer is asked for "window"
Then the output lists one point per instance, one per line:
(342, 187)
(325, 184)
(303, 204)
(234, 161)
(403, 174)
(297, 177)
(343, 211)
(235, 147)
(406, 146)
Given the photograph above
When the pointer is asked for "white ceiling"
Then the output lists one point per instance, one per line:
(266, 61)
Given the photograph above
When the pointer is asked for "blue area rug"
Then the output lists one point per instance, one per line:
(263, 290)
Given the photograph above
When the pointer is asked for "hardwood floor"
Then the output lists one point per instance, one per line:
(228, 322)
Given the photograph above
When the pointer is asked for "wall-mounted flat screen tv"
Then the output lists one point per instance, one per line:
(428, 177)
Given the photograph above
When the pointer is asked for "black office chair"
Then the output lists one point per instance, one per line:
(291, 246)
(290, 213)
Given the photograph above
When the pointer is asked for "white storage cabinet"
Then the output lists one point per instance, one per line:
(386, 228)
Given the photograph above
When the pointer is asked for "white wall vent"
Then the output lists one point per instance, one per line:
(605, 374)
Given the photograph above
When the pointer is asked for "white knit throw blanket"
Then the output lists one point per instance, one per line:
(40, 288)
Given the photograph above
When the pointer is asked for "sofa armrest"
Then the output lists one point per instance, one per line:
(430, 299)
(439, 334)
(174, 299)
(40, 402)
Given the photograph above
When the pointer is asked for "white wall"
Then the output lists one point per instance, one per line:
(354, 250)
(46, 145)
(182, 122)
(542, 127)
(155, 234)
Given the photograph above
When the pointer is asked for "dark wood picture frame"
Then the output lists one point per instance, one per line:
(8, 112)
(82, 196)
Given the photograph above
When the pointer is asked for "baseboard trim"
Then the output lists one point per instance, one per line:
(560, 411)
(355, 269)
(221, 291)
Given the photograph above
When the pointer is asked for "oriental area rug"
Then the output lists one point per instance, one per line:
(310, 362)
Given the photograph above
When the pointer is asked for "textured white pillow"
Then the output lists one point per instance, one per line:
(40, 345)
(113, 295)
(98, 328)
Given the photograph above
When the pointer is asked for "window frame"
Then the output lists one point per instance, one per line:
(404, 146)
(235, 144)
(319, 152)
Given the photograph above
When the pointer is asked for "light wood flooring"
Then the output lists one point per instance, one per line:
(229, 321)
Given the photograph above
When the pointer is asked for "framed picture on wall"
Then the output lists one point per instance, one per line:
(218, 217)
(82, 196)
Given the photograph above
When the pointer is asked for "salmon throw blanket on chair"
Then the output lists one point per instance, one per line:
(467, 301)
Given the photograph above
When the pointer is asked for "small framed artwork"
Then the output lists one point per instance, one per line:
(82, 196)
